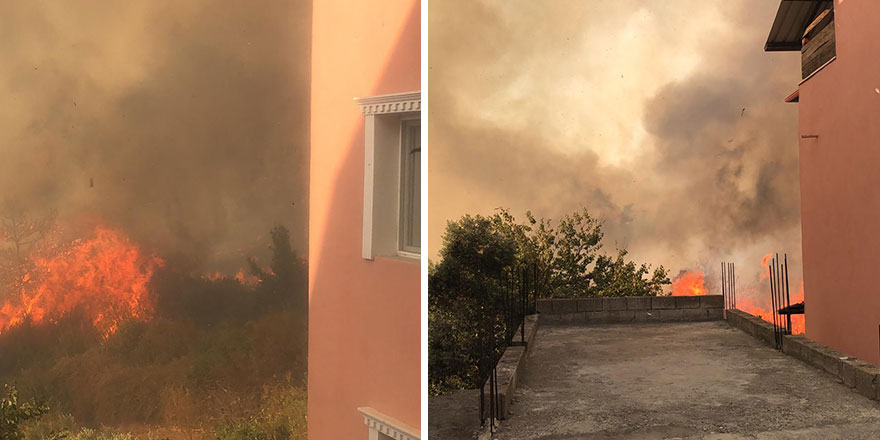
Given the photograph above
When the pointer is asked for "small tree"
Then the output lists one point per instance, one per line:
(466, 295)
(14, 412)
(479, 256)
(285, 282)
(618, 277)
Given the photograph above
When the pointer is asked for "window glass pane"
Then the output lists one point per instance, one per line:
(411, 188)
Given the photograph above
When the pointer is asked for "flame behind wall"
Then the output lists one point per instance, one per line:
(752, 294)
(689, 284)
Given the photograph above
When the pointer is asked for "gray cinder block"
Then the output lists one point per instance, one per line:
(663, 302)
(614, 303)
(589, 304)
(687, 302)
(638, 302)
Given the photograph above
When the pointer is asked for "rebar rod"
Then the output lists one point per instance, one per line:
(787, 295)
(723, 286)
(492, 401)
(729, 279)
(777, 291)
(773, 306)
(779, 297)
(733, 281)
(727, 283)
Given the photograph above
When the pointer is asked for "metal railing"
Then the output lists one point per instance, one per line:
(519, 298)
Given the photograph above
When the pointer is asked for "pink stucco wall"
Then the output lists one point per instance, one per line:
(364, 316)
(840, 187)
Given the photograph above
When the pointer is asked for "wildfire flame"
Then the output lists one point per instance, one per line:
(689, 284)
(241, 276)
(105, 276)
(765, 266)
(749, 305)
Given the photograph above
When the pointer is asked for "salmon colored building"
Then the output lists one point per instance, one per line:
(839, 131)
(364, 233)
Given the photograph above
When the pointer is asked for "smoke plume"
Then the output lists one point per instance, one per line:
(183, 123)
(665, 119)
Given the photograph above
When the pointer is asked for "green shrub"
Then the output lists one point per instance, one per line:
(55, 426)
(284, 413)
(91, 434)
(242, 430)
(13, 413)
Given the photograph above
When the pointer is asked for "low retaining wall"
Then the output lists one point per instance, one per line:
(862, 376)
(608, 310)
(510, 366)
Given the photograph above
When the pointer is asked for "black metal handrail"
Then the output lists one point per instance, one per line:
(519, 298)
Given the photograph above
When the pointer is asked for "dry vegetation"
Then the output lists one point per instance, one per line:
(220, 360)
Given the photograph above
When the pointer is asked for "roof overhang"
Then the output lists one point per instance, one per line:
(792, 18)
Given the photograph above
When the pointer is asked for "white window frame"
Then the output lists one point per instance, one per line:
(382, 229)
(379, 423)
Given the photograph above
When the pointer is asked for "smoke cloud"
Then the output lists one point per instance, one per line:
(665, 119)
(183, 123)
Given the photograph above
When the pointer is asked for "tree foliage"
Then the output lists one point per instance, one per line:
(482, 253)
(14, 412)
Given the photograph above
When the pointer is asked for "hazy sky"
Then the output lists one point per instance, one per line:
(665, 119)
(185, 123)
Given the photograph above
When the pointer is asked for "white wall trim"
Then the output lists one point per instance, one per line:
(369, 173)
(378, 422)
(392, 103)
(371, 107)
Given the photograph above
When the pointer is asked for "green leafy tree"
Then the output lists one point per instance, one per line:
(467, 292)
(14, 412)
(468, 286)
(618, 277)
(285, 282)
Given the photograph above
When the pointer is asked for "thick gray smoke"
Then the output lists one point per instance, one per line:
(665, 119)
(183, 123)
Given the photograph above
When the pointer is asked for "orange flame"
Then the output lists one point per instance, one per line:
(241, 276)
(245, 279)
(689, 284)
(746, 304)
(105, 276)
(765, 265)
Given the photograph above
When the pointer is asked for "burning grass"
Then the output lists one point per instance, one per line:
(104, 276)
(112, 335)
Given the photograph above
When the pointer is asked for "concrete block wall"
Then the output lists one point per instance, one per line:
(862, 376)
(608, 310)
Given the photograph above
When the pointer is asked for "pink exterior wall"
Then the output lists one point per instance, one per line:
(364, 316)
(840, 187)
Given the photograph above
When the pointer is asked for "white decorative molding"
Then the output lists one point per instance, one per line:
(393, 103)
(378, 138)
(379, 423)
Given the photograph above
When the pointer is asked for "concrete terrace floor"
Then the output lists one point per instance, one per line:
(703, 380)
